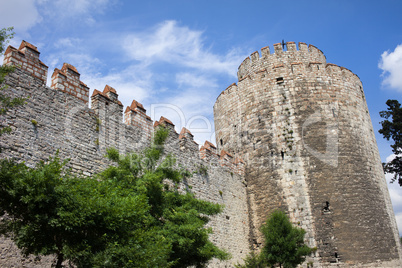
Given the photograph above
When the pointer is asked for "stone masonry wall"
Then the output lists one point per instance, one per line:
(303, 128)
(56, 119)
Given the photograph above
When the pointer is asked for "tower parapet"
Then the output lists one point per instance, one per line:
(280, 58)
(26, 57)
(135, 115)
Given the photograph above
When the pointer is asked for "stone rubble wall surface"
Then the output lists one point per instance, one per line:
(53, 120)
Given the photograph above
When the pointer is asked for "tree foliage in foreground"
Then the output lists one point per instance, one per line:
(6, 102)
(129, 215)
(283, 245)
(392, 129)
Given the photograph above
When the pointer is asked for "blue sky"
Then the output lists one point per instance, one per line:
(182, 54)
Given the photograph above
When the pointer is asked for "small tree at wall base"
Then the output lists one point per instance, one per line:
(283, 246)
(284, 243)
(392, 129)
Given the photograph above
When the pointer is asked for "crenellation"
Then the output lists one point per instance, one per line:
(186, 134)
(291, 46)
(135, 115)
(278, 49)
(303, 47)
(26, 57)
(265, 52)
(255, 56)
(243, 68)
(333, 69)
(67, 79)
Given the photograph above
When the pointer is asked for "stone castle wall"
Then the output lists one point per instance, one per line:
(303, 128)
(58, 118)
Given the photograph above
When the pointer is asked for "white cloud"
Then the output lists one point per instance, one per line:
(58, 11)
(179, 45)
(21, 14)
(128, 87)
(188, 100)
(79, 7)
(191, 106)
(67, 42)
(190, 79)
(390, 158)
(391, 64)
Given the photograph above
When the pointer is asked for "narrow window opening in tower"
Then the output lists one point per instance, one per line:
(325, 207)
(221, 142)
(283, 155)
(272, 153)
(279, 80)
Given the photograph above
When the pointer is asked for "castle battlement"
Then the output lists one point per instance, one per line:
(67, 79)
(288, 65)
(305, 55)
(106, 107)
(26, 57)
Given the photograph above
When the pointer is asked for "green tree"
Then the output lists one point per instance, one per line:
(283, 245)
(392, 129)
(6, 102)
(129, 215)
(252, 260)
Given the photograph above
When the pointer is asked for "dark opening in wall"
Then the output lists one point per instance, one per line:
(279, 80)
(221, 142)
(283, 155)
(325, 206)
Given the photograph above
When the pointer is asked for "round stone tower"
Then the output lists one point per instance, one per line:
(304, 130)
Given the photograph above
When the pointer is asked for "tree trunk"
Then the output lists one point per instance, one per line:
(60, 258)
